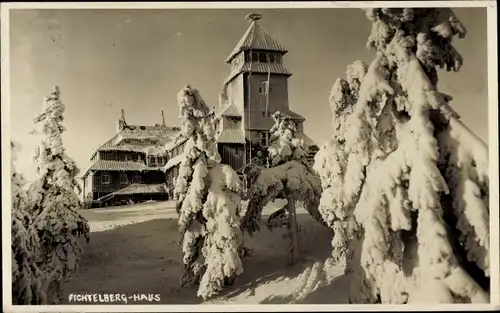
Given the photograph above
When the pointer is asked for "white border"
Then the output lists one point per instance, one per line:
(493, 154)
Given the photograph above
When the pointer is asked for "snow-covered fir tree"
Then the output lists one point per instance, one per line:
(208, 203)
(415, 178)
(337, 204)
(54, 203)
(27, 279)
(289, 175)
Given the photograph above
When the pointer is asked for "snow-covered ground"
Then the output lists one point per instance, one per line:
(134, 249)
(102, 219)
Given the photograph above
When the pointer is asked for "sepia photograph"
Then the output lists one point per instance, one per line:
(263, 153)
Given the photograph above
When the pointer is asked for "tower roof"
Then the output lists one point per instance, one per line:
(256, 38)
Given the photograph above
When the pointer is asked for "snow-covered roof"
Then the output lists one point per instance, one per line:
(142, 189)
(256, 38)
(272, 68)
(228, 110)
(173, 161)
(139, 138)
(109, 165)
(176, 142)
(231, 136)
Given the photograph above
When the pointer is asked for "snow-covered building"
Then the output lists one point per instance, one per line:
(256, 87)
(128, 167)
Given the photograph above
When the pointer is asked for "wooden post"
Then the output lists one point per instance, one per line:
(294, 237)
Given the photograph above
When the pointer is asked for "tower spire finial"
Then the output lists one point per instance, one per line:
(253, 17)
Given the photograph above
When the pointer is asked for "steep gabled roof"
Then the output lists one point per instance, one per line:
(256, 38)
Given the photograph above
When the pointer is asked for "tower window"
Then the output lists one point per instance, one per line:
(262, 88)
(254, 57)
(277, 59)
(272, 59)
(262, 57)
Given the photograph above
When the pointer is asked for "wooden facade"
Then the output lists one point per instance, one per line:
(106, 182)
(135, 155)
(232, 155)
(126, 156)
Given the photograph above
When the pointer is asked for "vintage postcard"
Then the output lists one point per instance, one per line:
(242, 156)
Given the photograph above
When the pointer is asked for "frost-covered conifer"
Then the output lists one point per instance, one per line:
(54, 203)
(337, 203)
(416, 176)
(27, 279)
(290, 175)
(208, 203)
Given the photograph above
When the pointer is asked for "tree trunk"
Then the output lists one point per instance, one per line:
(294, 237)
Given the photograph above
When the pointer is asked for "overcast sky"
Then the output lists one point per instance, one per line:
(106, 60)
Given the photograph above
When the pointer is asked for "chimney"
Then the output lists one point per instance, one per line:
(120, 125)
(162, 118)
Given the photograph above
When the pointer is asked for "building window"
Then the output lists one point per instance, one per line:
(152, 161)
(135, 157)
(254, 57)
(105, 178)
(123, 178)
(271, 58)
(136, 179)
(278, 59)
(264, 139)
(263, 87)
(262, 57)
(121, 157)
